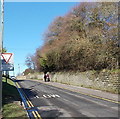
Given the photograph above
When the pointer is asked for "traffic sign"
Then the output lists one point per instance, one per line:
(7, 62)
(6, 56)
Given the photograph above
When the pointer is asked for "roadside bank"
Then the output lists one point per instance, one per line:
(11, 102)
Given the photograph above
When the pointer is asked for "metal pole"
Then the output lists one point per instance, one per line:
(6, 76)
(19, 68)
(1, 47)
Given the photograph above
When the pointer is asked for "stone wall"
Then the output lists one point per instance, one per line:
(35, 76)
(103, 80)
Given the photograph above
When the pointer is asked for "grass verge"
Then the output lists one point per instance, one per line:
(11, 102)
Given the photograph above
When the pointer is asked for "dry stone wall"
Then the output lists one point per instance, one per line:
(103, 80)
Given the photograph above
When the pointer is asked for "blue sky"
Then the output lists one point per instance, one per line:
(24, 26)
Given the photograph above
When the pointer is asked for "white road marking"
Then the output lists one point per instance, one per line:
(37, 96)
(57, 96)
(51, 96)
(44, 96)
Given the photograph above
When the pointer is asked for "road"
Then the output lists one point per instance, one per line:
(56, 102)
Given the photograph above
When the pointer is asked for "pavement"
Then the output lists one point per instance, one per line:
(86, 91)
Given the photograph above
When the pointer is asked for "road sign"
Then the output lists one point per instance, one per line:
(6, 56)
(7, 62)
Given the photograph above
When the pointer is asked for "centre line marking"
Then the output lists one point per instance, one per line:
(37, 96)
(44, 96)
(51, 96)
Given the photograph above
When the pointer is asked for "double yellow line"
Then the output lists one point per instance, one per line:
(29, 103)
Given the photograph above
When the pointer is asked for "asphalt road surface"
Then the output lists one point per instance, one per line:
(56, 102)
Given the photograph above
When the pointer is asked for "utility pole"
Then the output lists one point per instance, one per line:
(19, 68)
(1, 47)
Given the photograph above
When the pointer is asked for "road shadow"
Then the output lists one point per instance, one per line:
(29, 92)
(50, 114)
(18, 80)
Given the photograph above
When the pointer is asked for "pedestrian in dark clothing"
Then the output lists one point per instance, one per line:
(45, 76)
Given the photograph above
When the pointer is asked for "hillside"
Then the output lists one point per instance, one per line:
(86, 38)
